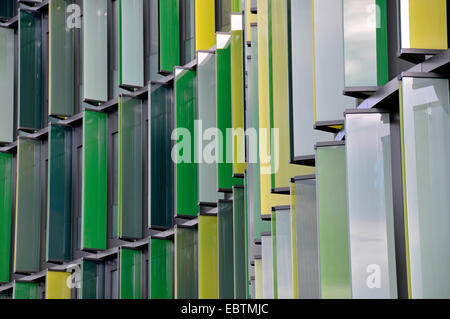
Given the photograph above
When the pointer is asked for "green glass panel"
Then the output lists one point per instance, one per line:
(207, 132)
(61, 60)
(28, 206)
(284, 254)
(30, 71)
(95, 50)
(239, 243)
(226, 248)
(267, 265)
(7, 9)
(370, 206)
(186, 263)
(236, 5)
(130, 273)
(161, 268)
(329, 103)
(186, 170)
(131, 72)
(59, 201)
(169, 35)
(6, 175)
(7, 84)
(208, 267)
(365, 43)
(160, 175)
(425, 119)
(308, 281)
(130, 168)
(94, 189)
(333, 222)
(92, 279)
(225, 177)
(25, 290)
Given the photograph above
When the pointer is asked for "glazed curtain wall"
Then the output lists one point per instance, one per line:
(59, 201)
(6, 191)
(28, 206)
(425, 118)
(7, 85)
(160, 179)
(94, 188)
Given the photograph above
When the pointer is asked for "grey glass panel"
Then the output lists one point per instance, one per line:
(302, 80)
(239, 243)
(187, 22)
(153, 38)
(186, 263)
(370, 207)
(95, 50)
(426, 131)
(207, 132)
(267, 266)
(329, 61)
(28, 209)
(307, 239)
(284, 254)
(132, 43)
(6, 85)
(225, 240)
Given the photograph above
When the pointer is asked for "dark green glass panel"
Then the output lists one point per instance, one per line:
(161, 166)
(28, 206)
(26, 290)
(186, 168)
(239, 243)
(169, 35)
(94, 190)
(161, 269)
(130, 273)
(30, 71)
(61, 59)
(7, 60)
(225, 167)
(6, 176)
(59, 201)
(92, 280)
(7, 9)
(186, 263)
(187, 31)
(152, 52)
(333, 222)
(225, 242)
(130, 168)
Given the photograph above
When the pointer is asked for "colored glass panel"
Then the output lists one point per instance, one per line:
(161, 268)
(186, 263)
(208, 266)
(130, 273)
(6, 176)
(92, 279)
(205, 24)
(169, 35)
(225, 244)
(239, 242)
(56, 286)
(26, 290)
(7, 85)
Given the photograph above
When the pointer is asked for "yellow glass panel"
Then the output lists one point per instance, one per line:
(208, 259)
(56, 286)
(251, 18)
(205, 24)
(282, 170)
(267, 199)
(428, 24)
(258, 279)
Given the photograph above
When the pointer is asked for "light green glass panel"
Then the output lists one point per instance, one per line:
(30, 71)
(329, 103)
(92, 280)
(28, 206)
(25, 290)
(160, 173)
(130, 168)
(130, 273)
(6, 176)
(208, 267)
(186, 263)
(186, 170)
(7, 85)
(426, 130)
(61, 59)
(240, 276)
(94, 186)
(131, 67)
(284, 254)
(370, 205)
(161, 268)
(267, 265)
(169, 35)
(59, 194)
(207, 132)
(95, 50)
(225, 249)
(308, 281)
(333, 222)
